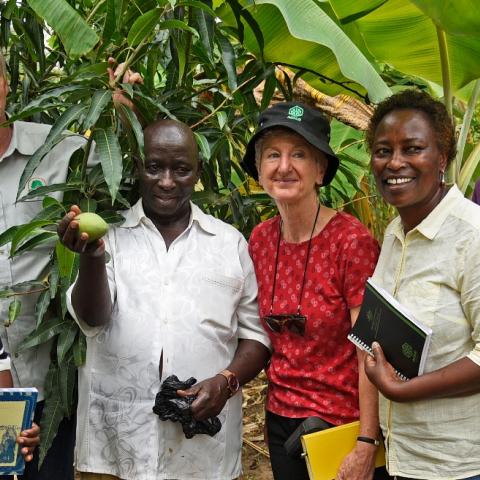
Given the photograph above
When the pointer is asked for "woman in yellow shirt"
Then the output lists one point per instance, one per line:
(430, 262)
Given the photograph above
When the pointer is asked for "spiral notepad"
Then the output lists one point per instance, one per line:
(404, 340)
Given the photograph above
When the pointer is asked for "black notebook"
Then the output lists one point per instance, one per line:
(404, 339)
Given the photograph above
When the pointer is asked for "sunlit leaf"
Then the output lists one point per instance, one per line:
(100, 100)
(65, 340)
(55, 136)
(13, 310)
(45, 331)
(76, 35)
(143, 27)
(110, 155)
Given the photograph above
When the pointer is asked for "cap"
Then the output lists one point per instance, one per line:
(304, 120)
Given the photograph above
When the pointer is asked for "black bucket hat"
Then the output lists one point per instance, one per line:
(308, 122)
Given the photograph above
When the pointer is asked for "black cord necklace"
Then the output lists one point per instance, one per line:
(304, 269)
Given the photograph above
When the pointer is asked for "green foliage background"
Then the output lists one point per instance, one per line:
(201, 61)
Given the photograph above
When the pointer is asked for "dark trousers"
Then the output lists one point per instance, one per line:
(285, 467)
(58, 464)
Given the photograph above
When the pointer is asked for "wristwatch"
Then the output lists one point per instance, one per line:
(232, 381)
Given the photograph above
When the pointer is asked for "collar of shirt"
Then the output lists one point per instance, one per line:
(28, 137)
(431, 225)
(22, 140)
(136, 215)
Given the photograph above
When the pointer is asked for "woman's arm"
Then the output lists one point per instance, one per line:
(461, 377)
(360, 462)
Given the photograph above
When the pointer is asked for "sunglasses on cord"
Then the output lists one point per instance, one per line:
(294, 322)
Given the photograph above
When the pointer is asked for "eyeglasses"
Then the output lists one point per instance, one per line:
(294, 322)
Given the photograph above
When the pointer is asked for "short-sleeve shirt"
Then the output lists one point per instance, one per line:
(30, 366)
(315, 374)
(190, 303)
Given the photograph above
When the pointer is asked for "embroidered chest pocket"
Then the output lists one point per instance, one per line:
(216, 280)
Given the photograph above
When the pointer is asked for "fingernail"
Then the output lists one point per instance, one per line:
(375, 344)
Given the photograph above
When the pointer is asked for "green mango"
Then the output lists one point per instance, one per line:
(91, 224)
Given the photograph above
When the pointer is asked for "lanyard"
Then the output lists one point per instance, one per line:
(304, 269)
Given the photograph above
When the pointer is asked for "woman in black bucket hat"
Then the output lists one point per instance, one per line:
(311, 264)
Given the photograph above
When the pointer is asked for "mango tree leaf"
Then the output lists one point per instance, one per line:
(41, 306)
(203, 144)
(55, 135)
(64, 285)
(228, 57)
(67, 383)
(77, 36)
(143, 27)
(178, 24)
(110, 20)
(100, 100)
(51, 212)
(32, 111)
(131, 121)
(35, 241)
(80, 349)
(25, 231)
(8, 235)
(53, 280)
(56, 187)
(65, 260)
(22, 287)
(65, 340)
(55, 94)
(53, 411)
(88, 205)
(197, 4)
(49, 201)
(44, 332)
(110, 154)
(13, 310)
(205, 24)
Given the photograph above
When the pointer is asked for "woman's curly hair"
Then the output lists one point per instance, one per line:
(417, 100)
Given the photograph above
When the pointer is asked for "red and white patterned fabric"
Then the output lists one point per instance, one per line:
(317, 374)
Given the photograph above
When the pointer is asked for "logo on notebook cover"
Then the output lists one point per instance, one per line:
(409, 352)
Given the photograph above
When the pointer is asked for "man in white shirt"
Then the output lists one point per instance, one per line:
(176, 295)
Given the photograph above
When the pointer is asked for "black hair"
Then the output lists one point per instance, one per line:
(435, 110)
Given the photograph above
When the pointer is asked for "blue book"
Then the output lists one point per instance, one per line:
(17, 406)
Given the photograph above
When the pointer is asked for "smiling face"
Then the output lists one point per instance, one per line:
(170, 172)
(407, 162)
(290, 168)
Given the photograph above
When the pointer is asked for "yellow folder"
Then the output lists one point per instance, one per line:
(324, 451)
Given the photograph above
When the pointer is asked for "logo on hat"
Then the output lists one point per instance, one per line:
(295, 113)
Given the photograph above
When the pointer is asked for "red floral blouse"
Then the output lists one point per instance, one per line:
(315, 374)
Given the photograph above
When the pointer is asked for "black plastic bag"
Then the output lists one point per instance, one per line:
(169, 406)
